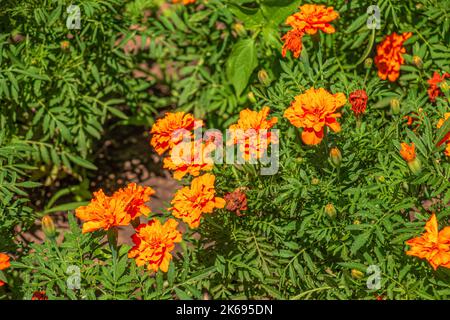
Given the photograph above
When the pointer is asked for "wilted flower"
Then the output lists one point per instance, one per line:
(153, 244)
(236, 201)
(358, 100)
(190, 203)
(313, 110)
(39, 295)
(389, 55)
(433, 245)
(104, 212)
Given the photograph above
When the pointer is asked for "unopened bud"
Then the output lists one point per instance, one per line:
(336, 156)
(251, 97)
(417, 61)
(415, 165)
(240, 30)
(368, 63)
(356, 274)
(315, 181)
(263, 77)
(395, 106)
(48, 226)
(444, 86)
(65, 45)
(330, 210)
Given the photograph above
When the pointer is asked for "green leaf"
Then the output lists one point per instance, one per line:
(241, 63)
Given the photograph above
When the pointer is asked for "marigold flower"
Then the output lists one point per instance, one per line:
(389, 56)
(236, 201)
(446, 138)
(408, 152)
(4, 264)
(185, 2)
(292, 42)
(249, 132)
(434, 91)
(39, 295)
(313, 110)
(433, 245)
(170, 130)
(358, 100)
(190, 158)
(104, 212)
(190, 203)
(312, 18)
(153, 243)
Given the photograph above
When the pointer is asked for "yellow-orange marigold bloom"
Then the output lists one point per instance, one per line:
(4, 264)
(185, 2)
(446, 138)
(190, 203)
(190, 158)
(433, 245)
(104, 212)
(153, 243)
(313, 110)
(312, 18)
(292, 42)
(389, 55)
(171, 129)
(249, 134)
(408, 152)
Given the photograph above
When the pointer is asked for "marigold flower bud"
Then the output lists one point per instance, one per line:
(240, 30)
(415, 166)
(251, 97)
(356, 274)
(48, 226)
(315, 181)
(336, 156)
(408, 154)
(368, 63)
(444, 86)
(418, 62)
(395, 106)
(330, 210)
(65, 45)
(263, 77)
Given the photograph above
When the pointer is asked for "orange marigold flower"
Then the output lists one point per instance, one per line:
(190, 158)
(433, 245)
(389, 55)
(104, 212)
(358, 100)
(249, 132)
(4, 264)
(185, 2)
(407, 152)
(236, 201)
(313, 110)
(171, 129)
(153, 243)
(312, 18)
(434, 91)
(446, 138)
(39, 295)
(292, 42)
(190, 203)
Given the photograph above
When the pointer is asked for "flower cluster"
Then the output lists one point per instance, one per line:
(389, 56)
(308, 20)
(4, 264)
(433, 245)
(105, 212)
